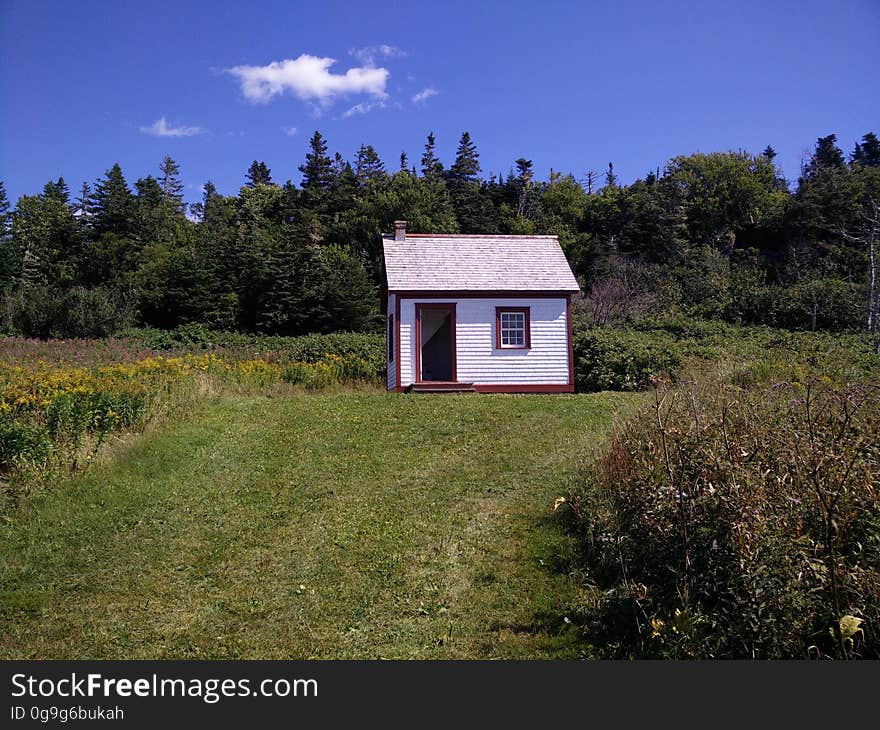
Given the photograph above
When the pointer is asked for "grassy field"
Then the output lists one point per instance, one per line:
(338, 525)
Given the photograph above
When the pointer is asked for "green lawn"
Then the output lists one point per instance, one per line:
(313, 526)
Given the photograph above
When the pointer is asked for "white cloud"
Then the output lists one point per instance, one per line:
(362, 108)
(368, 54)
(289, 131)
(161, 128)
(309, 78)
(424, 95)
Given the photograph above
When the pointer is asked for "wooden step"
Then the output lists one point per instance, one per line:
(438, 386)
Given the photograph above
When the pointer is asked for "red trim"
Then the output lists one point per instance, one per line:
(528, 333)
(397, 342)
(418, 344)
(570, 343)
(478, 294)
(524, 388)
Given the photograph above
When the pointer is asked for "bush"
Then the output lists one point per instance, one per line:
(313, 348)
(20, 442)
(44, 312)
(611, 359)
(744, 524)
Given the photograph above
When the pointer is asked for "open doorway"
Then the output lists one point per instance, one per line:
(435, 336)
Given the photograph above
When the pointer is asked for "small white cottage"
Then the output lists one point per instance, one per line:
(484, 313)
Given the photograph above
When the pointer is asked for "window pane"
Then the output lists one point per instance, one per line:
(512, 326)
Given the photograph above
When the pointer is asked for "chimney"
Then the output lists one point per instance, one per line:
(399, 230)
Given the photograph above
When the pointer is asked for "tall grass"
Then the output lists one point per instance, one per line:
(736, 518)
(60, 400)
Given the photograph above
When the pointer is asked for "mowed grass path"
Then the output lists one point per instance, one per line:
(313, 526)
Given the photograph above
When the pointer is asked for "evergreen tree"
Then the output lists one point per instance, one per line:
(81, 206)
(258, 174)
(172, 187)
(149, 209)
(209, 208)
(466, 167)
(404, 162)
(524, 176)
(769, 153)
(57, 190)
(868, 152)
(368, 166)
(827, 156)
(318, 168)
(432, 168)
(45, 241)
(112, 204)
(4, 210)
(7, 255)
(610, 177)
(148, 193)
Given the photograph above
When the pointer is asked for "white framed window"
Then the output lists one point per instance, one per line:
(512, 328)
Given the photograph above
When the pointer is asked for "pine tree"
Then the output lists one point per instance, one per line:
(81, 207)
(432, 168)
(610, 177)
(404, 162)
(318, 168)
(868, 152)
(4, 210)
(172, 187)
(57, 190)
(148, 193)
(258, 174)
(112, 204)
(368, 166)
(210, 205)
(769, 153)
(827, 156)
(345, 182)
(466, 167)
(473, 205)
(7, 256)
(523, 183)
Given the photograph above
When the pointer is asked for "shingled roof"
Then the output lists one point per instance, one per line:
(452, 262)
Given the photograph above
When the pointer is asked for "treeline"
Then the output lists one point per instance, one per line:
(719, 235)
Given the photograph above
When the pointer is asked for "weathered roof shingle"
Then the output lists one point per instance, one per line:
(434, 262)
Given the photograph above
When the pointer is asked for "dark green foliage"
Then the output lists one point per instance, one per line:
(368, 167)
(827, 156)
(317, 170)
(432, 168)
(720, 234)
(313, 348)
(258, 174)
(112, 205)
(868, 151)
(21, 442)
(612, 359)
(466, 167)
(41, 311)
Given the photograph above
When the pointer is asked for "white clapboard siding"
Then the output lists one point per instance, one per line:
(478, 361)
(391, 366)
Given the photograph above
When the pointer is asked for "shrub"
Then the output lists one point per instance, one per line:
(611, 359)
(43, 312)
(314, 348)
(20, 442)
(724, 522)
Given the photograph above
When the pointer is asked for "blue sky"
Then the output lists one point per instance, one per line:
(570, 85)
